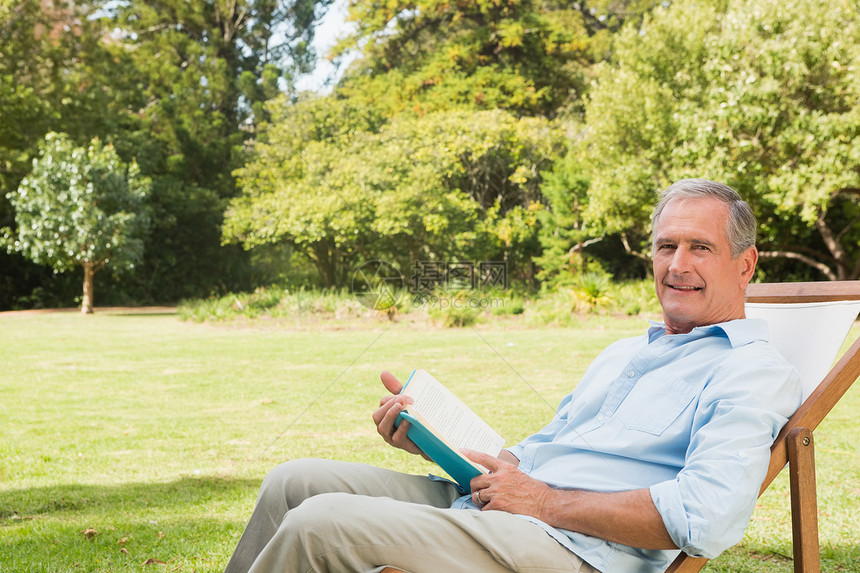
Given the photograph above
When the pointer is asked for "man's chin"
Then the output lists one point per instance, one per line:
(679, 324)
(679, 313)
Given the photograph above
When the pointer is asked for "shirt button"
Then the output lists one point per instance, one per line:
(631, 373)
(600, 417)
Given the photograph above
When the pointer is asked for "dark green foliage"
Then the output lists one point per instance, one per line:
(176, 86)
(563, 233)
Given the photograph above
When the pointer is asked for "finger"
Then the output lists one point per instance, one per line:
(380, 412)
(384, 417)
(493, 464)
(393, 433)
(491, 504)
(390, 382)
(385, 404)
(398, 435)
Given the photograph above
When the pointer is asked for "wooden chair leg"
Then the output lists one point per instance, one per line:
(804, 503)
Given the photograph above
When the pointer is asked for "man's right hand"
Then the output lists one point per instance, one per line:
(390, 406)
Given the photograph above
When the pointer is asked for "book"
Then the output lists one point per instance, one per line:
(441, 425)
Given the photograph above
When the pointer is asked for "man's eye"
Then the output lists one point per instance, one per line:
(665, 246)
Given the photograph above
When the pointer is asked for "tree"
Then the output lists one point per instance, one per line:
(523, 56)
(57, 74)
(759, 94)
(80, 207)
(48, 50)
(201, 71)
(343, 187)
(563, 234)
(203, 67)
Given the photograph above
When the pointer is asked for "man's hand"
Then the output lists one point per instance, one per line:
(506, 488)
(390, 406)
(627, 517)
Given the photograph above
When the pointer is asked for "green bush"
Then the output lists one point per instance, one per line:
(512, 305)
(273, 302)
(593, 293)
(636, 297)
(557, 308)
(454, 309)
(593, 289)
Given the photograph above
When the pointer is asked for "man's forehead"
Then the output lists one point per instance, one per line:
(698, 220)
(685, 205)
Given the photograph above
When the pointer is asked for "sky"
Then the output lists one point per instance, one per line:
(331, 27)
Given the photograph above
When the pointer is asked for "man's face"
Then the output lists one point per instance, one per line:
(697, 281)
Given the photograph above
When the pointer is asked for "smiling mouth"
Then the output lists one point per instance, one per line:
(684, 288)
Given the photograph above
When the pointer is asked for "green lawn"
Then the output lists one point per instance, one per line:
(151, 434)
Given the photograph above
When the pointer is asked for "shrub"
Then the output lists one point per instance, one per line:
(593, 289)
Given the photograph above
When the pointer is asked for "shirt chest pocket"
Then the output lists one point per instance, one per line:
(652, 405)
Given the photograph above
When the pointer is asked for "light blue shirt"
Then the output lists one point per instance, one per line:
(690, 416)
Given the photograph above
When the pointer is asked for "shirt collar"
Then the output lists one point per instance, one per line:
(740, 332)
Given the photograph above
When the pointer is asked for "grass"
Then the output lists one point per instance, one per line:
(137, 442)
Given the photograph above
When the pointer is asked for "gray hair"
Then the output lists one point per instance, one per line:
(741, 225)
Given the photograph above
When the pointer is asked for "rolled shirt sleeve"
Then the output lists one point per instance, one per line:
(706, 508)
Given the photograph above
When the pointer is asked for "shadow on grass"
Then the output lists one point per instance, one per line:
(132, 497)
(190, 524)
(100, 310)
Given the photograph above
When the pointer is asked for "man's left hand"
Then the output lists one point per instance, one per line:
(506, 488)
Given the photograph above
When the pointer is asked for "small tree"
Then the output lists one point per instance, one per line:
(79, 207)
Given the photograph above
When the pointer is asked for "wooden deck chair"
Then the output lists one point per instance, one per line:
(809, 323)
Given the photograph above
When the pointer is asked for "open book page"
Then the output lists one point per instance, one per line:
(458, 425)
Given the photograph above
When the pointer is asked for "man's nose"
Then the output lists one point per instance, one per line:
(680, 262)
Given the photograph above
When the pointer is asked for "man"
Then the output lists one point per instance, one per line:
(662, 446)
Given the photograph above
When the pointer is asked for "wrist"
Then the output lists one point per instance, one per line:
(547, 503)
(508, 457)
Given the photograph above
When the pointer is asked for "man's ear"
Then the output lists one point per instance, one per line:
(749, 258)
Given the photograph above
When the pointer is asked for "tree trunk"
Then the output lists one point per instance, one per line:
(834, 247)
(324, 257)
(87, 302)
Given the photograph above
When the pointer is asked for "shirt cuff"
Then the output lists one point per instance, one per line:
(680, 525)
(517, 451)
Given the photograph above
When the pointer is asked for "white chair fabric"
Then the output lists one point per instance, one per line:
(809, 335)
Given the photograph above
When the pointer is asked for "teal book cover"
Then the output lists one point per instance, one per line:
(442, 426)
(453, 462)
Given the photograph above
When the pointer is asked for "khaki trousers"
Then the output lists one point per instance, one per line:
(339, 517)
